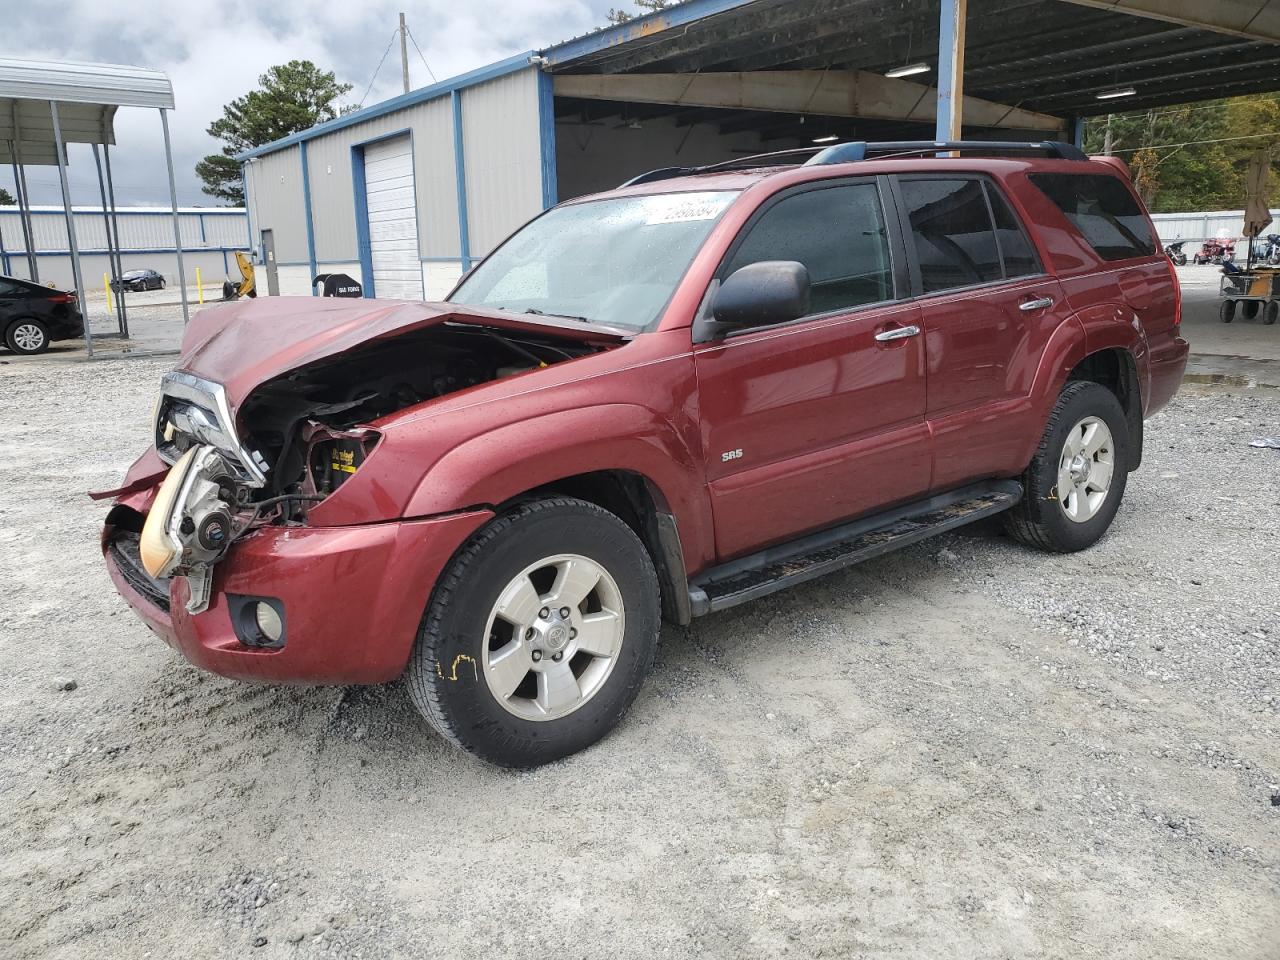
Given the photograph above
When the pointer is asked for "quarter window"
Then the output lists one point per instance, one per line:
(951, 229)
(838, 233)
(1103, 210)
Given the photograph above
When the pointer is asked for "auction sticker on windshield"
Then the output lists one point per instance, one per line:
(685, 207)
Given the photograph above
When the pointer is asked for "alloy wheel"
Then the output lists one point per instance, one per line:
(553, 637)
(28, 337)
(1085, 469)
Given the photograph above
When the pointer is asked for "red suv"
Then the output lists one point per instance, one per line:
(654, 403)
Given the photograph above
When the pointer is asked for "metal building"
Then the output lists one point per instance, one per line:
(210, 238)
(404, 195)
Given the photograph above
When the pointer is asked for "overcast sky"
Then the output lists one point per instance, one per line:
(214, 52)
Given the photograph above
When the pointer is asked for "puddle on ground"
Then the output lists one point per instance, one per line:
(1222, 380)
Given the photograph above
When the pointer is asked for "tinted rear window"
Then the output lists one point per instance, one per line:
(1103, 210)
(954, 237)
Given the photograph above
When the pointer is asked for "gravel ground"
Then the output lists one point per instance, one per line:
(963, 750)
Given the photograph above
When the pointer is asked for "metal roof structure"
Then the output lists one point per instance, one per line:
(1045, 56)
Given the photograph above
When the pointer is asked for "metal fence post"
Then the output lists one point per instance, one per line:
(72, 244)
(173, 203)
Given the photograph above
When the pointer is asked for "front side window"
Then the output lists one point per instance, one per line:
(615, 262)
(838, 233)
(1103, 210)
(951, 229)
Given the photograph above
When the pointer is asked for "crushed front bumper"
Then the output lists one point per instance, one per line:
(353, 597)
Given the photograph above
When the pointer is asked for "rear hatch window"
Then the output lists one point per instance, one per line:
(1103, 210)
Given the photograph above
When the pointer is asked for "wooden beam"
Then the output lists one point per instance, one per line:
(831, 93)
(1255, 19)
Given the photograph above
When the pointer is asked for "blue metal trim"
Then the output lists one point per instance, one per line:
(1077, 132)
(364, 252)
(640, 27)
(203, 237)
(102, 251)
(460, 178)
(946, 103)
(500, 69)
(226, 267)
(4, 256)
(547, 138)
(306, 209)
(211, 212)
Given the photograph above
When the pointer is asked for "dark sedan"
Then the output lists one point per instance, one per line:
(139, 280)
(33, 316)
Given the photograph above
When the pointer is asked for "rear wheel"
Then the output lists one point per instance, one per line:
(1227, 312)
(27, 336)
(538, 635)
(1249, 309)
(1074, 484)
(1271, 312)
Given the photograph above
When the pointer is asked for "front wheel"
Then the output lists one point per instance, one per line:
(1270, 312)
(1074, 484)
(1227, 312)
(538, 635)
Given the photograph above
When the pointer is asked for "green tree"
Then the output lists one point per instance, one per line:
(646, 6)
(7, 199)
(291, 97)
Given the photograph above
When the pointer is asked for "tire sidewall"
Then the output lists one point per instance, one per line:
(1086, 400)
(455, 671)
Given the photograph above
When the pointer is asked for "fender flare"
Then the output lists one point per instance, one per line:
(547, 448)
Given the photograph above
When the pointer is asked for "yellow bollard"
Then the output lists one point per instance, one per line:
(106, 285)
(200, 286)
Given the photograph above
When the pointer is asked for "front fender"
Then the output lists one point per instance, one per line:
(503, 463)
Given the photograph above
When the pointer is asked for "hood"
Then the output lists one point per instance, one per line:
(244, 344)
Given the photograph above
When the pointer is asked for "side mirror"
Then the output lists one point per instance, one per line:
(768, 292)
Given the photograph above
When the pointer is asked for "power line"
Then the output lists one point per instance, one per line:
(1275, 134)
(424, 59)
(1139, 114)
(390, 44)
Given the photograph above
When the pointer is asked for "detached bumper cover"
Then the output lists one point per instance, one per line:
(353, 598)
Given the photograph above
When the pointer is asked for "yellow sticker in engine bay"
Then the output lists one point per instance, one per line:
(344, 460)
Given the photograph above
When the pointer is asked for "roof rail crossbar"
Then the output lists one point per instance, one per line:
(859, 150)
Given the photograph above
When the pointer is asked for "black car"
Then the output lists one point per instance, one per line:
(139, 280)
(33, 316)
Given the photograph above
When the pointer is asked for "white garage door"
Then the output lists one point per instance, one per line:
(393, 219)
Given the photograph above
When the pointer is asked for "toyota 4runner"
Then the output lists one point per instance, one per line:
(657, 402)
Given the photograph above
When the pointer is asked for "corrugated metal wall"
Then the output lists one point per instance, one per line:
(502, 147)
(332, 196)
(1202, 226)
(275, 203)
(148, 229)
(503, 165)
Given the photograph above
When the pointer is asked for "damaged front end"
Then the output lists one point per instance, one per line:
(297, 438)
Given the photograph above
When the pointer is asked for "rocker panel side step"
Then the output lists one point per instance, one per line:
(787, 564)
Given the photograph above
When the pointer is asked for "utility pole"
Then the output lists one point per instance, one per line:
(404, 52)
(1106, 139)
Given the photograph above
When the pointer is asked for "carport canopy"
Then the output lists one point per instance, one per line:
(1011, 66)
(47, 104)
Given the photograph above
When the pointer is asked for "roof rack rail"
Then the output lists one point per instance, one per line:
(859, 150)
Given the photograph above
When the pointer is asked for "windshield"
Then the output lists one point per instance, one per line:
(135, 274)
(615, 262)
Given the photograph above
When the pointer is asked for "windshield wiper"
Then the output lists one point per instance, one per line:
(562, 316)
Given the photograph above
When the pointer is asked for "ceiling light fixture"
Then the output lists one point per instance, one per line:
(1112, 94)
(908, 70)
(829, 138)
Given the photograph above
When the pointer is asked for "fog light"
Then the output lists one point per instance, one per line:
(268, 621)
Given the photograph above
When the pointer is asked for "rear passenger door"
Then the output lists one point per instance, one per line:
(988, 309)
(811, 422)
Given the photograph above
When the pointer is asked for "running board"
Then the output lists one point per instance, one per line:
(788, 564)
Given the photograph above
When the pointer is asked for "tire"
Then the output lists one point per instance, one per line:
(161, 287)
(1227, 312)
(27, 336)
(454, 674)
(1042, 519)
(1249, 309)
(1270, 312)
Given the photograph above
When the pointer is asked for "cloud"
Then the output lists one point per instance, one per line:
(214, 53)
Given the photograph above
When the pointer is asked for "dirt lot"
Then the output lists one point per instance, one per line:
(965, 750)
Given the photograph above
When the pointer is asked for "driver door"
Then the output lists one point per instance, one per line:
(819, 420)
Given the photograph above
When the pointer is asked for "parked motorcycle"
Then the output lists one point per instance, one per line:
(1175, 254)
(1216, 250)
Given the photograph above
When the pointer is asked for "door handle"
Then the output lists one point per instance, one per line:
(1044, 303)
(898, 333)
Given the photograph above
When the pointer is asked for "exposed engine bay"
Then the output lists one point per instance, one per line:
(298, 438)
